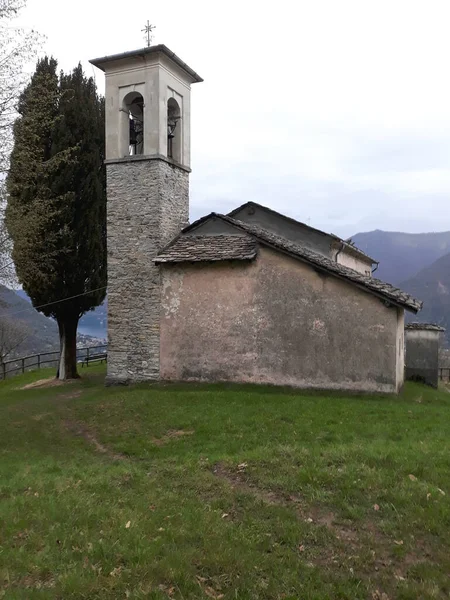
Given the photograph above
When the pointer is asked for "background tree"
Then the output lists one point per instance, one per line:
(13, 334)
(56, 212)
(17, 48)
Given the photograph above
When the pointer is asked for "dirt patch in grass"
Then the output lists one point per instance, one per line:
(33, 582)
(46, 383)
(171, 435)
(238, 480)
(40, 417)
(81, 430)
(70, 395)
(210, 587)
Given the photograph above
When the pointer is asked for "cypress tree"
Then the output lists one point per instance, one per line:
(56, 212)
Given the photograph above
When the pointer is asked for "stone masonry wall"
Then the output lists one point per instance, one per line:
(148, 204)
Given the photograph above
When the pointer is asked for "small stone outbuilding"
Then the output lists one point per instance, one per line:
(422, 341)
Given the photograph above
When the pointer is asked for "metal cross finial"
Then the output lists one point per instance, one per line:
(148, 30)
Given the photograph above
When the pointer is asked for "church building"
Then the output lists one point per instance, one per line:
(251, 296)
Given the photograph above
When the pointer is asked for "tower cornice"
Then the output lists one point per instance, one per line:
(102, 62)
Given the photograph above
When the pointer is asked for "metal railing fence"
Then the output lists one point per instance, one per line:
(50, 359)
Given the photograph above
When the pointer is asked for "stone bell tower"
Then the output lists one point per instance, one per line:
(147, 105)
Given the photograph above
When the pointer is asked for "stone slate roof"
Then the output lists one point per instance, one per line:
(370, 284)
(424, 326)
(348, 245)
(209, 248)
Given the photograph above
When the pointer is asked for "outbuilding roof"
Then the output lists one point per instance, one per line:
(214, 249)
(424, 326)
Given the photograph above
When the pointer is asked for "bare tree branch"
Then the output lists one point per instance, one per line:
(12, 335)
(17, 48)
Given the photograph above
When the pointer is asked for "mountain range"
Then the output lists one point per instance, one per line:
(402, 255)
(418, 263)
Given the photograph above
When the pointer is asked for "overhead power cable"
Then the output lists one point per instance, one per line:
(17, 312)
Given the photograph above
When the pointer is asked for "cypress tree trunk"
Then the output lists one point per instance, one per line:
(67, 326)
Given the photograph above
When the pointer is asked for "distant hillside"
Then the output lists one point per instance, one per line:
(42, 332)
(92, 323)
(402, 255)
(432, 285)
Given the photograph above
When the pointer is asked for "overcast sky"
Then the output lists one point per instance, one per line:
(336, 112)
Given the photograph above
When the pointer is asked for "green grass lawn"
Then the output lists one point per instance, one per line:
(201, 491)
